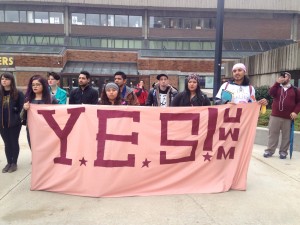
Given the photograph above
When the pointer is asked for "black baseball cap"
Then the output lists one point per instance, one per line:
(161, 75)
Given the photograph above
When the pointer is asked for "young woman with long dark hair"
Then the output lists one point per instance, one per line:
(192, 94)
(37, 93)
(11, 100)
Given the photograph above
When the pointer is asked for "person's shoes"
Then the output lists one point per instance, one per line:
(267, 154)
(6, 168)
(282, 156)
(13, 167)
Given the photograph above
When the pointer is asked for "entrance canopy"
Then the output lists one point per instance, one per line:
(100, 68)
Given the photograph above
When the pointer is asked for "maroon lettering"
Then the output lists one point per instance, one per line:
(236, 119)
(62, 134)
(165, 118)
(102, 136)
(221, 152)
(211, 129)
(234, 135)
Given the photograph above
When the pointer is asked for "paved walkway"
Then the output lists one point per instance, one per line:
(272, 197)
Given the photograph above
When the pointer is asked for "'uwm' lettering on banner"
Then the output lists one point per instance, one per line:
(124, 151)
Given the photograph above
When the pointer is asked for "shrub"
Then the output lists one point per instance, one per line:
(263, 120)
(263, 92)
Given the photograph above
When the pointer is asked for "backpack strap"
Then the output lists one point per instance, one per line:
(226, 85)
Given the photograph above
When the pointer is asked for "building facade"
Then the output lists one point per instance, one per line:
(141, 38)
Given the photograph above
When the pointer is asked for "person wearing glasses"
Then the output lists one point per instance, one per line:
(37, 93)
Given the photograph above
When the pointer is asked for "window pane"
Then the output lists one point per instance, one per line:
(208, 45)
(23, 18)
(155, 44)
(195, 45)
(38, 40)
(103, 21)
(135, 44)
(31, 40)
(121, 43)
(157, 22)
(255, 45)
(111, 20)
(169, 45)
(103, 43)
(110, 43)
(265, 46)
(1, 16)
(209, 82)
(246, 46)
(13, 39)
(179, 45)
(82, 42)
(227, 45)
(135, 21)
(30, 17)
(180, 23)
(185, 45)
(187, 24)
(95, 42)
(121, 20)
(56, 40)
(208, 23)
(41, 17)
(78, 18)
(237, 45)
(93, 19)
(23, 40)
(12, 16)
(56, 18)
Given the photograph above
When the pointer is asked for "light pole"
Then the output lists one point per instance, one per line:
(218, 47)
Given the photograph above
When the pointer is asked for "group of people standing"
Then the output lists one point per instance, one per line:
(286, 104)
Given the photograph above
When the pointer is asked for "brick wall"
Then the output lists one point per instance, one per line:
(38, 61)
(101, 56)
(180, 65)
(173, 80)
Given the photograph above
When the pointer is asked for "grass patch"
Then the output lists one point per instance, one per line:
(263, 120)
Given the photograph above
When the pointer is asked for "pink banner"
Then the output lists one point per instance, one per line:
(130, 150)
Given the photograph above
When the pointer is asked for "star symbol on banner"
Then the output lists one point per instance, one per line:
(146, 163)
(207, 157)
(82, 161)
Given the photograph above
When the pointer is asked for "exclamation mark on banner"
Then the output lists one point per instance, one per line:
(211, 129)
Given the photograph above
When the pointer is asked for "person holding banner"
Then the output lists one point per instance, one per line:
(285, 108)
(162, 94)
(11, 101)
(37, 93)
(127, 94)
(111, 95)
(192, 95)
(238, 89)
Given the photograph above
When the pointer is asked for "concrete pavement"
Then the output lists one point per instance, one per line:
(272, 197)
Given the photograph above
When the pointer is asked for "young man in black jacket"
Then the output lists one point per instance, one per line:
(85, 93)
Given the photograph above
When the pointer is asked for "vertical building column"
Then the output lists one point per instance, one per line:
(67, 22)
(294, 27)
(145, 30)
(67, 25)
